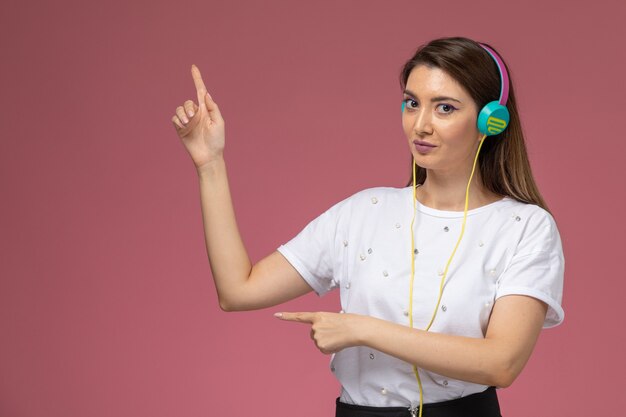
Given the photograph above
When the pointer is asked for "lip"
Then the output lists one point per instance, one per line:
(423, 147)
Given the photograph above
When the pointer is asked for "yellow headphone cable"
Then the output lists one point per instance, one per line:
(445, 272)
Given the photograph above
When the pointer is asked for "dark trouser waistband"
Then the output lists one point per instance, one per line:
(482, 404)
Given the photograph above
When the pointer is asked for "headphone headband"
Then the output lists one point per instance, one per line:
(504, 76)
(494, 117)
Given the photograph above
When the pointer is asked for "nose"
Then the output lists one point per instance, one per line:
(422, 124)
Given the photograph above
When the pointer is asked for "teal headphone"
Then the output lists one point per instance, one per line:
(494, 117)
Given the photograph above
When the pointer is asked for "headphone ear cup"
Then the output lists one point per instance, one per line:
(493, 119)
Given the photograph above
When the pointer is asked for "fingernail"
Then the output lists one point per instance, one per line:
(207, 93)
(279, 315)
(190, 113)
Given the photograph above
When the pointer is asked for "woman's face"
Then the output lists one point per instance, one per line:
(439, 120)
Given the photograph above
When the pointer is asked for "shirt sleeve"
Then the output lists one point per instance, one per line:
(537, 268)
(314, 251)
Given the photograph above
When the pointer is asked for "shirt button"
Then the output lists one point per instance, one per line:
(446, 229)
(385, 274)
(348, 286)
(406, 313)
(374, 200)
(445, 383)
(398, 225)
(481, 244)
(362, 257)
(444, 308)
(369, 251)
(492, 272)
(383, 391)
(517, 218)
(371, 356)
(345, 243)
(415, 251)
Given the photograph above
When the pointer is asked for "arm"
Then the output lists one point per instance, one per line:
(239, 284)
(495, 360)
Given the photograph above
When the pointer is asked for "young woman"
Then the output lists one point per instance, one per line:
(445, 285)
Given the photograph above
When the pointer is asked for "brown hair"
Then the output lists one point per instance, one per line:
(503, 160)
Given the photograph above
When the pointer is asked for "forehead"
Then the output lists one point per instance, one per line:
(427, 81)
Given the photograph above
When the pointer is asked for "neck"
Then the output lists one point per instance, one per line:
(447, 191)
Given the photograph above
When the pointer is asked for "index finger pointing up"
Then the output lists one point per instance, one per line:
(200, 87)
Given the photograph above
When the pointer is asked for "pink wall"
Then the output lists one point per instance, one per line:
(107, 306)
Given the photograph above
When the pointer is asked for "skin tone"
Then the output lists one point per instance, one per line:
(450, 126)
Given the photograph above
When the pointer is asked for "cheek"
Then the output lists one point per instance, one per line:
(405, 125)
(461, 131)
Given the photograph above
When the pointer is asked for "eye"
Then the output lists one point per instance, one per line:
(446, 108)
(410, 103)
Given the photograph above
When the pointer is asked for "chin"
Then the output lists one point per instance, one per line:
(424, 161)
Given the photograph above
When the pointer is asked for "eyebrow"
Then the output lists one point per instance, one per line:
(434, 99)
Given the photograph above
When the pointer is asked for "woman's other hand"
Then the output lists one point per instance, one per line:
(201, 126)
(331, 332)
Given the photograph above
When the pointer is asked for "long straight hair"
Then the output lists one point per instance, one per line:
(503, 160)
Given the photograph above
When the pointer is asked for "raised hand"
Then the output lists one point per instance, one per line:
(201, 126)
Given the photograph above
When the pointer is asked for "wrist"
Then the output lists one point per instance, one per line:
(363, 330)
(211, 167)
